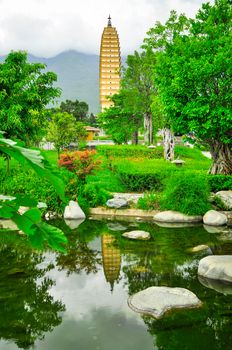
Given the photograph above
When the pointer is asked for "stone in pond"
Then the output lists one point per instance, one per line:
(214, 218)
(73, 211)
(200, 248)
(117, 203)
(137, 234)
(175, 216)
(216, 267)
(156, 301)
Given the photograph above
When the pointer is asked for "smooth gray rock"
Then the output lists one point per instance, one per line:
(226, 198)
(219, 286)
(137, 234)
(73, 211)
(117, 203)
(217, 267)
(214, 218)
(176, 217)
(201, 248)
(156, 301)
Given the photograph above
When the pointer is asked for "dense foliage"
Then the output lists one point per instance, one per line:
(64, 129)
(25, 90)
(194, 77)
(30, 222)
(187, 193)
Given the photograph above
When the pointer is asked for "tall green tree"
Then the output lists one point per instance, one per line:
(120, 120)
(138, 82)
(25, 90)
(64, 129)
(194, 77)
(78, 109)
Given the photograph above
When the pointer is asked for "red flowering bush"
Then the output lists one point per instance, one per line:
(82, 163)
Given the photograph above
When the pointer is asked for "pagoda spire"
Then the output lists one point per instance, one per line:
(109, 21)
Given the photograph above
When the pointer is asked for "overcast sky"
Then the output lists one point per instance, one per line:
(48, 27)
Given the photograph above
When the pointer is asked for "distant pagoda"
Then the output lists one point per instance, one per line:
(110, 63)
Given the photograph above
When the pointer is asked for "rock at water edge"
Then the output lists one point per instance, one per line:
(226, 198)
(216, 267)
(117, 203)
(214, 218)
(137, 234)
(73, 211)
(156, 301)
(175, 217)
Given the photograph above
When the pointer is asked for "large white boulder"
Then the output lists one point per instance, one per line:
(214, 218)
(217, 267)
(156, 301)
(73, 211)
(175, 217)
(137, 234)
(226, 198)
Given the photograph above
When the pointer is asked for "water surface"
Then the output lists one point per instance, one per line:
(78, 300)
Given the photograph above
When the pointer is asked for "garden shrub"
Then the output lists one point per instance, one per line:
(26, 182)
(129, 151)
(150, 201)
(187, 192)
(220, 182)
(95, 195)
(82, 163)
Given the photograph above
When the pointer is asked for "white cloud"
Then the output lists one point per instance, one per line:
(47, 27)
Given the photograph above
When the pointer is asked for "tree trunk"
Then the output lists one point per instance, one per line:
(222, 158)
(169, 144)
(148, 135)
(135, 137)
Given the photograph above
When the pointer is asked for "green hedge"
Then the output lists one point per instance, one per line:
(143, 175)
(130, 151)
(186, 192)
(220, 182)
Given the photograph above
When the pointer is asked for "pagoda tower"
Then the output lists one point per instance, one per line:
(110, 64)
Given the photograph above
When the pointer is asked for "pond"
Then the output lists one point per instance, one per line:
(78, 300)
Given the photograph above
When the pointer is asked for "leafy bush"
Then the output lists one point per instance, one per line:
(128, 151)
(82, 163)
(28, 183)
(220, 182)
(150, 201)
(95, 195)
(186, 192)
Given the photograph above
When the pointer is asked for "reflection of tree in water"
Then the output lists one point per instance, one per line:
(27, 308)
(206, 328)
(165, 261)
(79, 258)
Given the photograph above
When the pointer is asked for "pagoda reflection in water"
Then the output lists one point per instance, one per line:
(111, 259)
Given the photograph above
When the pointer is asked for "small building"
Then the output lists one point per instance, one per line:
(92, 131)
